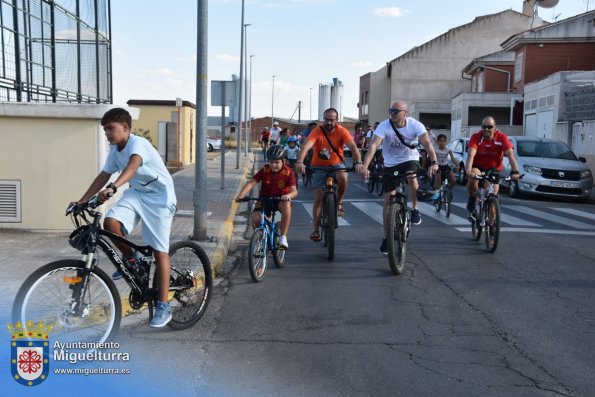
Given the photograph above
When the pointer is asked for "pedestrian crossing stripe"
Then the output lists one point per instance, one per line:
(373, 209)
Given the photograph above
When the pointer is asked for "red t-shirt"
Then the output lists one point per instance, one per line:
(338, 137)
(275, 183)
(265, 134)
(489, 152)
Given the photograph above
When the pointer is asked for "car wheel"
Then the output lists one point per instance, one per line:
(513, 189)
(209, 148)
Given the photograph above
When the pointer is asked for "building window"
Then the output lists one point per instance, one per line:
(518, 67)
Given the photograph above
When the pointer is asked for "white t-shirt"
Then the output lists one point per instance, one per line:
(393, 150)
(442, 155)
(152, 179)
(275, 133)
(292, 153)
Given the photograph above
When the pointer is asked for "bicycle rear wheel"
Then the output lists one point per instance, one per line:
(396, 241)
(330, 207)
(257, 257)
(191, 280)
(371, 183)
(476, 228)
(55, 295)
(278, 254)
(379, 187)
(492, 232)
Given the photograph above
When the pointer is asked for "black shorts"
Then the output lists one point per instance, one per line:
(270, 206)
(444, 170)
(389, 181)
(265, 140)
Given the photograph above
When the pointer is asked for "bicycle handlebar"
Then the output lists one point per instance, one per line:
(493, 179)
(276, 198)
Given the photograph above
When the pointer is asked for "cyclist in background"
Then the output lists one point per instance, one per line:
(399, 136)
(264, 138)
(487, 148)
(327, 141)
(276, 180)
(292, 150)
(442, 153)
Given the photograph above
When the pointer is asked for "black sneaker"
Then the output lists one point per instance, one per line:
(415, 217)
(471, 204)
(383, 248)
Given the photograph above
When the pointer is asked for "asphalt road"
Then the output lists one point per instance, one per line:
(458, 321)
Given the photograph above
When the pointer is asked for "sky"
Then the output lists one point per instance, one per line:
(303, 43)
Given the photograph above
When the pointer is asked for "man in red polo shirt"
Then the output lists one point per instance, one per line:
(487, 148)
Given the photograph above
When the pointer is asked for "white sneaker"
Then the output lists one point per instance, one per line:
(283, 243)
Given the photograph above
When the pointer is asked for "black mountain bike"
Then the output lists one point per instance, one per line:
(398, 225)
(81, 302)
(487, 212)
(375, 179)
(445, 199)
(329, 215)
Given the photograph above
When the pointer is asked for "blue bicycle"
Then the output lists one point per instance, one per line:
(264, 240)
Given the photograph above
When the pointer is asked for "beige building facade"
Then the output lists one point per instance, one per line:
(50, 155)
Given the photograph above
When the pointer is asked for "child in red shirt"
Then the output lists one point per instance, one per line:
(276, 180)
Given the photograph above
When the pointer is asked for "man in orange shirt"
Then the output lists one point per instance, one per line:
(327, 142)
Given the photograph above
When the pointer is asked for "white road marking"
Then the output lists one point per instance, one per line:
(373, 210)
(550, 217)
(308, 207)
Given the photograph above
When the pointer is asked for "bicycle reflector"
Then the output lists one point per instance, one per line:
(329, 181)
(73, 280)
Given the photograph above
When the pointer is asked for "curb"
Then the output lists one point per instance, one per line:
(219, 254)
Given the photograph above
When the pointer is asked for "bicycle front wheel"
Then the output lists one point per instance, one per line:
(331, 225)
(55, 294)
(395, 238)
(492, 232)
(447, 201)
(257, 257)
(191, 282)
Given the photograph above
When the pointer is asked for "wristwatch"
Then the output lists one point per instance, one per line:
(434, 162)
(112, 186)
(358, 162)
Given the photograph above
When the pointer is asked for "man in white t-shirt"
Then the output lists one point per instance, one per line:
(399, 136)
(275, 133)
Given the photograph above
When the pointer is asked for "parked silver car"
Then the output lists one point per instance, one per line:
(213, 144)
(550, 168)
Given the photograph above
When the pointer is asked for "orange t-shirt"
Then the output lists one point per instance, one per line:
(338, 137)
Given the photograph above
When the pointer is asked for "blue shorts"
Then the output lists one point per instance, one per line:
(156, 220)
(319, 176)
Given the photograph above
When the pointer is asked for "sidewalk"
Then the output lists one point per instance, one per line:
(22, 252)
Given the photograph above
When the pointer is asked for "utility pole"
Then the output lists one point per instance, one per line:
(199, 197)
(241, 94)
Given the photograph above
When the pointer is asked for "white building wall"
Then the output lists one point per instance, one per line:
(432, 71)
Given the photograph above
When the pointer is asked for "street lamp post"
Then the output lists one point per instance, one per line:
(250, 104)
(241, 93)
(246, 129)
(273, 103)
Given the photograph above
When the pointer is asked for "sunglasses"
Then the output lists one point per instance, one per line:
(396, 111)
(487, 127)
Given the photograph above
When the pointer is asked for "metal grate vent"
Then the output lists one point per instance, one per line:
(10, 201)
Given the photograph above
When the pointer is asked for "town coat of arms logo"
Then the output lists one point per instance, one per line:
(30, 360)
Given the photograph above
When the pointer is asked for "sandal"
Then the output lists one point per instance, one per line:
(340, 209)
(315, 236)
